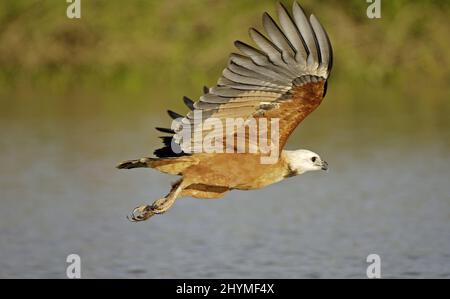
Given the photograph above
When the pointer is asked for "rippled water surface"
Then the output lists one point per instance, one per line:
(60, 194)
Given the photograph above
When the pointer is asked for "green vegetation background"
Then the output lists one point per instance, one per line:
(144, 55)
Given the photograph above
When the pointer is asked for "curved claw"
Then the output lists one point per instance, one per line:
(141, 213)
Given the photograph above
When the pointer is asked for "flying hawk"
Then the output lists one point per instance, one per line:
(284, 78)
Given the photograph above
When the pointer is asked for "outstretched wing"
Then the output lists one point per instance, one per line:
(284, 78)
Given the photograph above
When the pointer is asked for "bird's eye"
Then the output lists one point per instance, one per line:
(314, 159)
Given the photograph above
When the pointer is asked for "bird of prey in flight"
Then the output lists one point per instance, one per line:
(283, 78)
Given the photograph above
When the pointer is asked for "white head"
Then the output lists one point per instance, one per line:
(301, 161)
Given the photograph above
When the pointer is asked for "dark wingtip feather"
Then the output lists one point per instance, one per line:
(167, 140)
(170, 149)
(189, 103)
(174, 115)
(167, 152)
(165, 130)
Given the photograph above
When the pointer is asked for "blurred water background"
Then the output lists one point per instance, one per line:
(79, 96)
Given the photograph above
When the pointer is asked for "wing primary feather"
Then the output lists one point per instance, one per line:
(261, 59)
(292, 33)
(230, 75)
(174, 115)
(165, 130)
(205, 89)
(258, 56)
(279, 39)
(247, 63)
(167, 140)
(323, 40)
(266, 79)
(242, 86)
(271, 50)
(307, 33)
(188, 102)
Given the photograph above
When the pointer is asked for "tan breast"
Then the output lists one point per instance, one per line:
(235, 171)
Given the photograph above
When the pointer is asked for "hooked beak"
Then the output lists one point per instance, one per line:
(324, 165)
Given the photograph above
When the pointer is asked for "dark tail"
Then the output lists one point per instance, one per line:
(139, 163)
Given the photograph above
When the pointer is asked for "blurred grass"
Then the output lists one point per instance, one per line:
(148, 54)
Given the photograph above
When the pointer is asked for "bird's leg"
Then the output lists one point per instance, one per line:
(160, 206)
